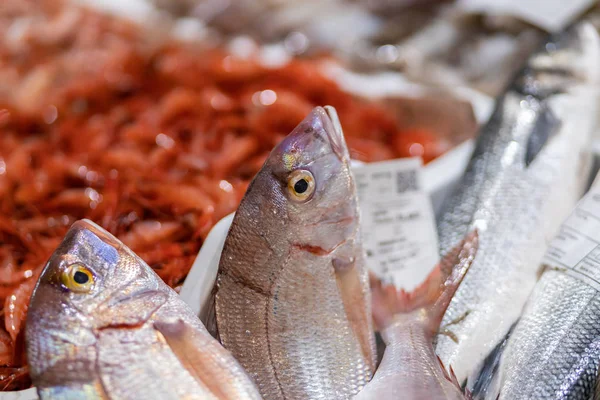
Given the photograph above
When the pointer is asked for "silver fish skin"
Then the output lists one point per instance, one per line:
(292, 299)
(529, 167)
(102, 325)
(410, 369)
(554, 350)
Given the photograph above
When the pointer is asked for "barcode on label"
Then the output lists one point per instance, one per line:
(406, 180)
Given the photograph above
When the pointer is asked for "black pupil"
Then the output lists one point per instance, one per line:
(80, 277)
(301, 186)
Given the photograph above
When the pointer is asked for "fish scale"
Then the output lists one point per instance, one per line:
(294, 351)
(117, 347)
(529, 168)
(557, 342)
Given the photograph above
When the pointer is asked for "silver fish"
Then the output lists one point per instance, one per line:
(529, 167)
(554, 350)
(292, 300)
(102, 325)
(410, 369)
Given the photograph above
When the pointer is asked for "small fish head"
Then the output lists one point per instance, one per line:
(309, 172)
(564, 64)
(91, 282)
(564, 61)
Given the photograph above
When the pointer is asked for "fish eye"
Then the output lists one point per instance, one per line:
(301, 184)
(77, 278)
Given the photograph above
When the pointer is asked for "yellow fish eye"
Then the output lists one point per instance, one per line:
(301, 185)
(77, 278)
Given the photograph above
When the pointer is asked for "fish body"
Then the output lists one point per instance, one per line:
(410, 369)
(529, 167)
(554, 350)
(102, 325)
(292, 298)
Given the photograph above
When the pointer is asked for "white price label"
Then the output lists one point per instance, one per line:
(398, 223)
(551, 15)
(576, 249)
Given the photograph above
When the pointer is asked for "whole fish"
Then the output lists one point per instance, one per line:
(530, 166)
(102, 325)
(292, 299)
(554, 350)
(410, 369)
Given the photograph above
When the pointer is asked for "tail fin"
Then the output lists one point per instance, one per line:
(434, 293)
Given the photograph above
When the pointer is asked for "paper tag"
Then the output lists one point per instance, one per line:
(551, 15)
(576, 249)
(398, 224)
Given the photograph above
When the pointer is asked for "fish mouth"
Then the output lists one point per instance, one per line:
(333, 128)
(319, 134)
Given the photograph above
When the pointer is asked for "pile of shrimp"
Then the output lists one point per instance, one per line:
(155, 141)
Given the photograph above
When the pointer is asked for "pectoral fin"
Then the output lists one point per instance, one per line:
(207, 361)
(350, 285)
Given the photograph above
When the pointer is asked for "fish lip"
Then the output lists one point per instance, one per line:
(333, 128)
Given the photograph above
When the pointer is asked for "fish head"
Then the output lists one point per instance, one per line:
(566, 63)
(311, 185)
(91, 282)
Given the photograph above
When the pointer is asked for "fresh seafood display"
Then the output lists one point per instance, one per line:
(408, 321)
(554, 350)
(103, 325)
(129, 129)
(292, 301)
(154, 141)
(528, 170)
